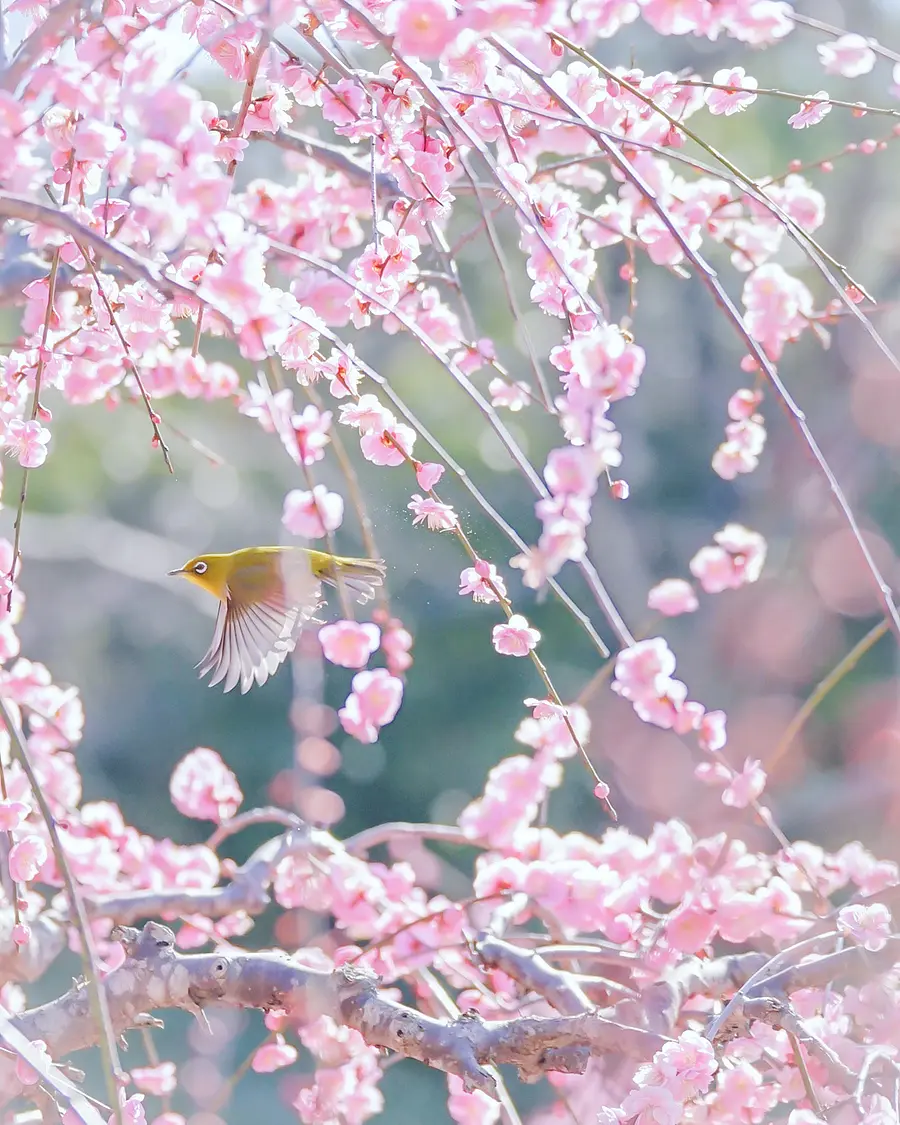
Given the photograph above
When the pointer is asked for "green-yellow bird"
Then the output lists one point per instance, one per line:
(266, 595)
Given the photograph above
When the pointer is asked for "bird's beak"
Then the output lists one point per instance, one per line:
(172, 573)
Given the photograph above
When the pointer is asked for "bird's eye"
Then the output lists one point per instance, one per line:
(200, 568)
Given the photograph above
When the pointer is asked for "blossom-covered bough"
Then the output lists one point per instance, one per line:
(651, 979)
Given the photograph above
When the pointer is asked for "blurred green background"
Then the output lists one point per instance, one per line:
(105, 521)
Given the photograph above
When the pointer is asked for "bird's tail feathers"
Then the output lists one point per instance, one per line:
(359, 575)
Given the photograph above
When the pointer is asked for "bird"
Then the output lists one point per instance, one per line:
(266, 595)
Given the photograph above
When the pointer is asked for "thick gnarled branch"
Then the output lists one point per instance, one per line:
(156, 976)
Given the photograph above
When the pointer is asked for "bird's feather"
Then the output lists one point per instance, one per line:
(258, 623)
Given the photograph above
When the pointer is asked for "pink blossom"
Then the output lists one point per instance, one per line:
(273, 1056)
(158, 1080)
(572, 471)
(743, 403)
(21, 933)
(740, 453)
(435, 515)
(734, 100)
(513, 396)
(482, 581)
(314, 514)
(811, 111)
(690, 928)
(652, 1105)
(746, 786)
(424, 28)
(12, 815)
(373, 702)
(396, 642)
(516, 637)
(311, 433)
(202, 786)
(849, 55)
(390, 446)
(349, 644)
(366, 414)
(712, 731)
(27, 442)
(26, 858)
(687, 1064)
(672, 597)
(737, 560)
(644, 669)
(428, 474)
(869, 926)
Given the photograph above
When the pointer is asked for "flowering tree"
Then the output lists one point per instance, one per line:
(641, 978)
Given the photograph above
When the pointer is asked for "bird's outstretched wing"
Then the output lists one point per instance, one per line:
(255, 633)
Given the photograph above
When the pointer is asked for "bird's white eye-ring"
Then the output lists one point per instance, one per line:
(200, 568)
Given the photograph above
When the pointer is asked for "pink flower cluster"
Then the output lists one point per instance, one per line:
(745, 436)
(736, 560)
(517, 786)
(644, 676)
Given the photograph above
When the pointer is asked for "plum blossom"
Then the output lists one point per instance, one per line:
(428, 475)
(869, 926)
(12, 814)
(737, 559)
(482, 581)
(349, 644)
(811, 111)
(373, 702)
(27, 442)
(389, 446)
(435, 515)
(312, 514)
(202, 786)
(512, 396)
(26, 858)
(733, 100)
(744, 787)
(849, 55)
(672, 596)
(516, 637)
(652, 1105)
(424, 28)
(273, 1056)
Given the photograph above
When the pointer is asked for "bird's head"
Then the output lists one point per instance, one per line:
(209, 572)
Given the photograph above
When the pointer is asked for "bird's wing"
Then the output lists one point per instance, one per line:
(251, 641)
